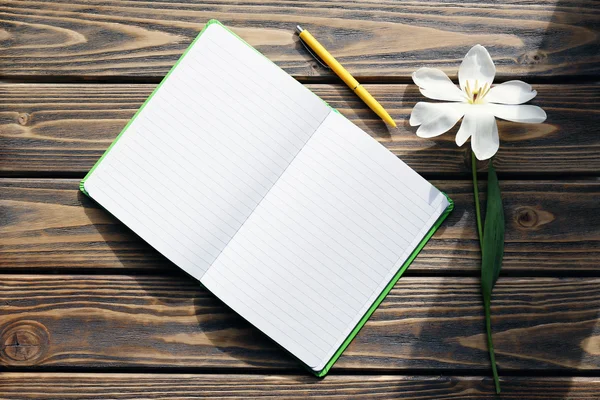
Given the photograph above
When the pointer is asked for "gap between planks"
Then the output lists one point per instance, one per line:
(300, 372)
(325, 80)
(482, 176)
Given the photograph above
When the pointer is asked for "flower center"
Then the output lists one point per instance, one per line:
(476, 93)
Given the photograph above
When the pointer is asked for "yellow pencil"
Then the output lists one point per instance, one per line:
(344, 75)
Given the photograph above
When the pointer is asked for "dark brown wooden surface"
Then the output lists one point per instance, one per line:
(82, 321)
(88, 310)
(177, 386)
(64, 129)
(377, 39)
(552, 226)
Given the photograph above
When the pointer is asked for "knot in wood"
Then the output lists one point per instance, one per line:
(533, 218)
(23, 342)
(533, 57)
(527, 217)
(23, 118)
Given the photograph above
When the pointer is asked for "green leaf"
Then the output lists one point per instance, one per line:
(492, 252)
(493, 235)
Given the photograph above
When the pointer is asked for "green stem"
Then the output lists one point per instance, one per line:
(476, 194)
(488, 327)
(486, 301)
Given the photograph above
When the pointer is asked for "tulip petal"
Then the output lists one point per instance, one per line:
(524, 113)
(435, 118)
(484, 131)
(435, 84)
(467, 128)
(511, 92)
(477, 66)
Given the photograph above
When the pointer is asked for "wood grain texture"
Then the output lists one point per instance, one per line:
(551, 227)
(64, 129)
(21, 386)
(161, 320)
(372, 38)
(424, 323)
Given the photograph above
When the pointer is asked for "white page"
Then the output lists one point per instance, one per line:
(325, 241)
(205, 149)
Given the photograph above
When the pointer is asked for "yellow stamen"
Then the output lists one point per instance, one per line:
(476, 94)
(485, 89)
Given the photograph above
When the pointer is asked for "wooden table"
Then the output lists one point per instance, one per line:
(88, 310)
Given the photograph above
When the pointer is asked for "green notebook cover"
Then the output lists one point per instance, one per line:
(389, 286)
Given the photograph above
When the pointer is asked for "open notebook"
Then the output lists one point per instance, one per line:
(280, 206)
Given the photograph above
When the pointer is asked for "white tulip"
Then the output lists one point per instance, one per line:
(476, 100)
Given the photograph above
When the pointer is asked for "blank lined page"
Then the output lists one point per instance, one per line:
(325, 241)
(205, 149)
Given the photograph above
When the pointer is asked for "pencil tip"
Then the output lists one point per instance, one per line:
(299, 29)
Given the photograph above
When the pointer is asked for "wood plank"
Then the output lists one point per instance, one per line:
(424, 323)
(20, 386)
(82, 38)
(64, 129)
(551, 227)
